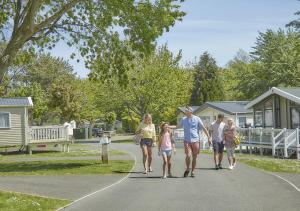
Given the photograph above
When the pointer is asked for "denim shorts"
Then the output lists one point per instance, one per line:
(166, 152)
(218, 147)
(146, 141)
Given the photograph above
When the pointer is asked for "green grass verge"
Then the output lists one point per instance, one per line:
(10, 201)
(270, 163)
(75, 153)
(65, 167)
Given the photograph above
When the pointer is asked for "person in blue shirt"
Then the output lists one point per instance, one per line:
(192, 126)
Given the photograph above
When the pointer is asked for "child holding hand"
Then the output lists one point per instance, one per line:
(166, 145)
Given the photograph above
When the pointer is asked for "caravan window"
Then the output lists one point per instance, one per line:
(4, 120)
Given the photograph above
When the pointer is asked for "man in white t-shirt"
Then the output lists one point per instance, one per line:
(216, 132)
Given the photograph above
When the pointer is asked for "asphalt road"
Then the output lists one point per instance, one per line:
(244, 188)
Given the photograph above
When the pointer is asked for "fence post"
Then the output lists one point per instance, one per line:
(249, 141)
(285, 143)
(260, 140)
(273, 142)
(297, 144)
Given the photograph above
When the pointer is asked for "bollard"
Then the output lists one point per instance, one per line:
(104, 141)
(104, 154)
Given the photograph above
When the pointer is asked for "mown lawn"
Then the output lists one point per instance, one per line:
(10, 201)
(76, 151)
(270, 163)
(65, 167)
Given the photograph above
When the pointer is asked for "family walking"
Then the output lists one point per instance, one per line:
(218, 135)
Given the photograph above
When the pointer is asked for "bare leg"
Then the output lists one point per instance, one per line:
(216, 158)
(194, 162)
(220, 157)
(145, 156)
(169, 164)
(164, 165)
(149, 150)
(187, 162)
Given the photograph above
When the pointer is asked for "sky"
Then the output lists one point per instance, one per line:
(220, 27)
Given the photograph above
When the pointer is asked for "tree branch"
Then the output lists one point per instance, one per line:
(57, 15)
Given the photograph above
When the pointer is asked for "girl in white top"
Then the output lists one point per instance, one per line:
(165, 147)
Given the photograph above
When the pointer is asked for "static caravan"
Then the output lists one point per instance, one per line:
(14, 121)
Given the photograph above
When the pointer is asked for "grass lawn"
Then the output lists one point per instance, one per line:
(270, 163)
(76, 150)
(10, 201)
(65, 167)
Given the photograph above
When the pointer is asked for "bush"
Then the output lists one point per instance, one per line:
(130, 125)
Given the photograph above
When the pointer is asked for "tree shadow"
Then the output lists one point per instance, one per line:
(146, 177)
(20, 167)
(127, 172)
(202, 168)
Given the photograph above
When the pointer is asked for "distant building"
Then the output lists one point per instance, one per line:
(14, 128)
(277, 108)
(209, 111)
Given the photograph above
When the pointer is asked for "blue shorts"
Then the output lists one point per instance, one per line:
(218, 147)
(166, 152)
(146, 141)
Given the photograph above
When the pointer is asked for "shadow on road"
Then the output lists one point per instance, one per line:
(127, 172)
(152, 177)
(205, 168)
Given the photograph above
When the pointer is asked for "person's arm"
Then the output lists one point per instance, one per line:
(138, 130)
(208, 134)
(173, 142)
(179, 125)
(159, 143)
(153, 133)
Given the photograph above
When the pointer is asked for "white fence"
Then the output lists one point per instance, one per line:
(282, 142)
(49, 135)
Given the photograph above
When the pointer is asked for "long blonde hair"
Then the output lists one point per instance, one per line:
(149, 116)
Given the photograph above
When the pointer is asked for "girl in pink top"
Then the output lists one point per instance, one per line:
(165, 147)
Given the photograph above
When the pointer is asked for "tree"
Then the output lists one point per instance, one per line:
(108, 33)
(208, 85)
(53, 87)
(234, 74)
(295, 23)
(157, 86)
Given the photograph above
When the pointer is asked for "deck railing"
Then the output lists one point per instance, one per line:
(49, 135)
(280, 141)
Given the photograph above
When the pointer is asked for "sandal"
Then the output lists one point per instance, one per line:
(186, 173)
(192, 174)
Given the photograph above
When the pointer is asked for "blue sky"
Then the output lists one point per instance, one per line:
(221, 27)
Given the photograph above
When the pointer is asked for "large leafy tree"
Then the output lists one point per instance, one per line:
(208, 84)
(53, 86)
(277, 54)
(158, 86)
(107, 33)
(234, 76)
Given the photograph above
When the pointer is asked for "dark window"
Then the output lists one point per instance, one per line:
(295, 115)
(268, 115)
(258, 118)
(277, 112)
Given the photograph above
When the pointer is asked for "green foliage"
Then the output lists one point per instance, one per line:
(110, 118)
(130, 124)
(52, 85)
(274, 62)
(157, 85)
(208, 84)
(107, 33)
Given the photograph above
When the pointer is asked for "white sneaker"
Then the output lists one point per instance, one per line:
(164, 177)
(234, 165)
(230, 167)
